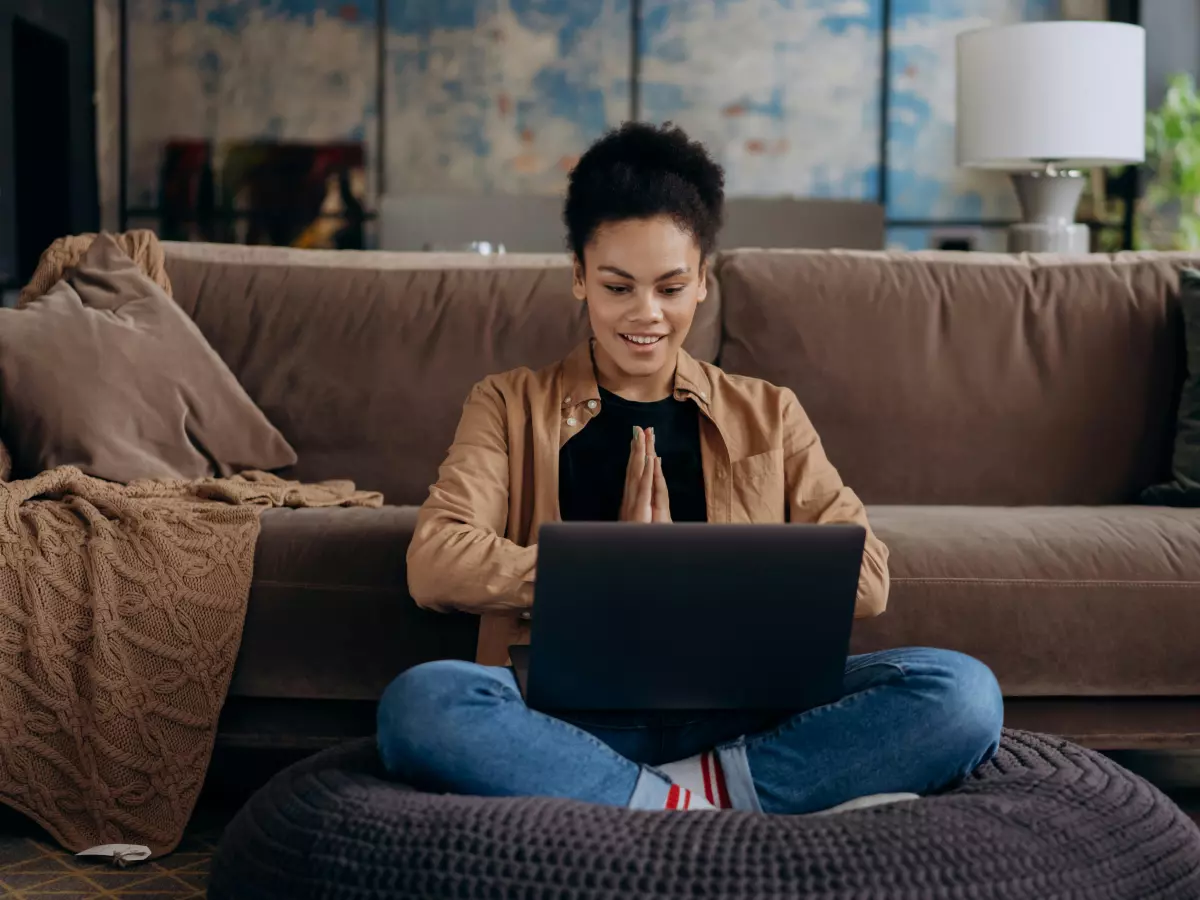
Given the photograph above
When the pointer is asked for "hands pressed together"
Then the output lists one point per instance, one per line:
(645, 498)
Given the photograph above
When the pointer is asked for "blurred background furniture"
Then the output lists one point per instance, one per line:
(533, 224)
(449, 222)
(809, 223)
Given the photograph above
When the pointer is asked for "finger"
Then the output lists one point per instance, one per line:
(651, 451)
(646, 487)
(633, 474)
(637, 460)
(662, 502)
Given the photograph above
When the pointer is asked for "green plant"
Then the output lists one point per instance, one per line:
(1169, 211)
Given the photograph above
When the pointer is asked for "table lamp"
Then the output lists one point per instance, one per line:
(1042, 100)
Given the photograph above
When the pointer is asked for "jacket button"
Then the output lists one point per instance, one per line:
(703, 396)
(591, 404)
(567, 399)
(571, 421)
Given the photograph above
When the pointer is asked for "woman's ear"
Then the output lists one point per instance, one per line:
(702, 289)
(578, 288)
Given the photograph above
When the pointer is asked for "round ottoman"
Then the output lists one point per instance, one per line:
(1045, 819)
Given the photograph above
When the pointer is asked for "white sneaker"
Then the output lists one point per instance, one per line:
(866, 803)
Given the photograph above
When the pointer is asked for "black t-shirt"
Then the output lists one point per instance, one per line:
(592, 464)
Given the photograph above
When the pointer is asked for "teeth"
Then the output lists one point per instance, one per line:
(639, 339)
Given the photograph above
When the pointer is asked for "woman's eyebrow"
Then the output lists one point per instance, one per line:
(682, 270)
(621, 272)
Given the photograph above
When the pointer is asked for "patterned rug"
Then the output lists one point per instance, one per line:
(33, 868)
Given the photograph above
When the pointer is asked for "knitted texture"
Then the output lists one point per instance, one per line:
(140, 245)
(121, 612)
(1045, 819)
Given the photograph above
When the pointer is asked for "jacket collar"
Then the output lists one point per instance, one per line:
(579, 378)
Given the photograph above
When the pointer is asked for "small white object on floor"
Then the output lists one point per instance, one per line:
(120, 855)
(866, 803)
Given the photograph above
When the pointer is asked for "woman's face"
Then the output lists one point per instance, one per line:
(642, 281)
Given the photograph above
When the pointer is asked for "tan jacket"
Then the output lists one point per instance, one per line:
(474, 548)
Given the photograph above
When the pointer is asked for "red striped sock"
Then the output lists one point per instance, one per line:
(682, 798)
(702, 776)
(714, 781)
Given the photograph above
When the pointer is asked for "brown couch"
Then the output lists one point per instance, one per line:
(998, 415)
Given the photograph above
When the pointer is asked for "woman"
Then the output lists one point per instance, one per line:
(630, 427)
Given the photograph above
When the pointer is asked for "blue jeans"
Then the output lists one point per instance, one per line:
(912, 719)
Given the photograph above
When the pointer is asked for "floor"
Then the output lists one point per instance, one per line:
(33, 868)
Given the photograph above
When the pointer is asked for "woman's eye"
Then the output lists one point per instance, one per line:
(617, 288)
(674, 289)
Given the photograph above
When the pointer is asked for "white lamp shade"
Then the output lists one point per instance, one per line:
(1073, 93)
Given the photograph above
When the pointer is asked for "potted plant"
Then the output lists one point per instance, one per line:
(1168, 213)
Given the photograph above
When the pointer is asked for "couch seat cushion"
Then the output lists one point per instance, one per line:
(330, 616)
(1057, 600)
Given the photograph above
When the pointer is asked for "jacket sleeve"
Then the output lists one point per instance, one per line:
(815, 493)
(458, 559)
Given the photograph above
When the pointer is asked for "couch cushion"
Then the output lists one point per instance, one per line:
(1058, 601)
(363, 359)
(329, 614)
(980, 379)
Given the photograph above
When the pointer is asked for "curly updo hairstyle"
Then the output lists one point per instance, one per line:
(641, 171)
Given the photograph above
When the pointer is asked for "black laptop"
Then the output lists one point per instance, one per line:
(690, 617)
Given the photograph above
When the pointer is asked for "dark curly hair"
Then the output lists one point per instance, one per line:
(640, 171)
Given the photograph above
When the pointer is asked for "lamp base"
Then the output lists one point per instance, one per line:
(1033, 237)
(1048, 200)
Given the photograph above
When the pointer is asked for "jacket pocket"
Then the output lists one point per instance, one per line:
(759, 491)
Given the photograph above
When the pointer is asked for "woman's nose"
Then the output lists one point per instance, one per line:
(647, 307)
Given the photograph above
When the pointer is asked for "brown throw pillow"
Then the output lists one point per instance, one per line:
(1184, 488)
(105, 372)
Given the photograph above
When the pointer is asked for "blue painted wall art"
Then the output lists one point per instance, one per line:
(503, 95)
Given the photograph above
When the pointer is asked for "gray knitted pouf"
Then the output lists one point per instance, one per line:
(1045, 819)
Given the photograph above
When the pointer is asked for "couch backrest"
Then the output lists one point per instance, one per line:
(363, 359)
(969, 378)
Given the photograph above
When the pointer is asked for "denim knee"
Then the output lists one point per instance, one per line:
(417, 718)
(973, 707)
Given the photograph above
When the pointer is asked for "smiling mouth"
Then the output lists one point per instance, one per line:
(643, 340)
